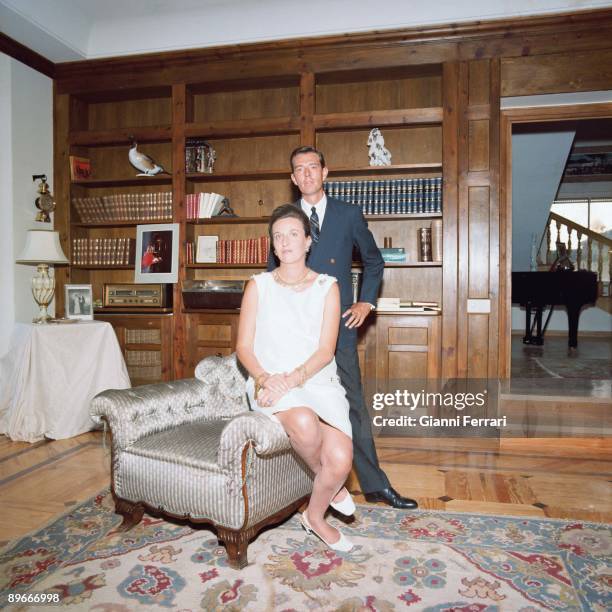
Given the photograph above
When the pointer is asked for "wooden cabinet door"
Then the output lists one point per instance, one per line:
(146, 344)
(407, 348)
(209, 334)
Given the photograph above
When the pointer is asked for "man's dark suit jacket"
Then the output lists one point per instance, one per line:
(343, 227)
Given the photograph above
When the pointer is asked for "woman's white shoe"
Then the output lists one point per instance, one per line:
(342, 545)
(346, 506)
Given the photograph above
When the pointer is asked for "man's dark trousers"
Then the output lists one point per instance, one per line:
(371, 477)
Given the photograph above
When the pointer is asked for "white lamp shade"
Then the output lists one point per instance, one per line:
(42, 246)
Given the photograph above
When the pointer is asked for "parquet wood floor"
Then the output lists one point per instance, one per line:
(546, 478)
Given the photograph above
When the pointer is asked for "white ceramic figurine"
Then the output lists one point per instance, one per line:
(379, 154)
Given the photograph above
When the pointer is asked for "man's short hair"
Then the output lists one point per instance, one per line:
(306, 149)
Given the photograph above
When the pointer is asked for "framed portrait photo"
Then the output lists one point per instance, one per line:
(79, 302)
(157, 253)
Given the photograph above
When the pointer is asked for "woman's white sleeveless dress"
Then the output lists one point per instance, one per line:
(287, 332)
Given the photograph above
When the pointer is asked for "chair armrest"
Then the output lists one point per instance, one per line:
(140, 411)
(266, 436)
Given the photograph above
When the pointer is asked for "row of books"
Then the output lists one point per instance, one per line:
(203, 205)
(103, 251)
(124, 207)
(390, 197)
(242, 251)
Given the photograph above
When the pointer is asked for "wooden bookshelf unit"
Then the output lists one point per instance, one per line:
(435, 95)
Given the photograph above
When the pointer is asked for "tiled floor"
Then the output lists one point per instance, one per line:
(550, 370)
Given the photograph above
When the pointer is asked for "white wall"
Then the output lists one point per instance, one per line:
(538, 160)
(63, 30)
(7, 269)
(26, 148)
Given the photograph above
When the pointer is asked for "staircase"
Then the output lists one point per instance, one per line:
(587, 249)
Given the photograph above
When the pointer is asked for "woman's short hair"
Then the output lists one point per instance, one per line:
(288, 211)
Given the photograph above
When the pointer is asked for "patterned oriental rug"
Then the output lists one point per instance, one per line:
(424, 560)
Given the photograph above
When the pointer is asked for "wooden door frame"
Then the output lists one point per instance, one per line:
(510, 117)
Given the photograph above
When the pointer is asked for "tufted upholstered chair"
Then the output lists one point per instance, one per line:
(192, 449)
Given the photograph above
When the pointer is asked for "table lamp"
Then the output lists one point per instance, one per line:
(42, 248)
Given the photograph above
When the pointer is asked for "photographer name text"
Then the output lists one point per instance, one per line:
(463, 420)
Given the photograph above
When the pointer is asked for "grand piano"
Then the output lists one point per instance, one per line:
(537, 290)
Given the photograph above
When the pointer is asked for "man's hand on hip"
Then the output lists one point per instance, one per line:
(357, 314)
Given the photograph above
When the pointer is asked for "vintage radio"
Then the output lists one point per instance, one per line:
(122, 296)
(213, 293)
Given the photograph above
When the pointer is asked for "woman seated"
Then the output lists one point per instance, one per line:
(287, 335)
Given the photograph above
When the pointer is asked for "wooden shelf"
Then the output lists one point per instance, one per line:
(227, 220)
(164, 179)
(408, 264)
(284, 173)
(251, 175)
(132, 310)
(244, 127)
(395, 169)
(120, 136)
(413, 264)
(211, 310)
(245, 220)
(385, 118)
(221, 266)
(101, 267)
(421, 313)
(121, 223)
(405, 217)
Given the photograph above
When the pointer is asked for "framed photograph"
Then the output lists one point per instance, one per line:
(80, 168)
(79, 302)
(157, 253)
(207, 249)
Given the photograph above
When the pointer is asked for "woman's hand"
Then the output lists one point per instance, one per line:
(267, 398)
(293, 379)
(277, 383)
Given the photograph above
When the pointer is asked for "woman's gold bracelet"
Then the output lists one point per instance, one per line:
(303, 375)
(259, 383)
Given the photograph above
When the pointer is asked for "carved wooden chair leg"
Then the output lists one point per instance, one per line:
(132, 513)
(236, 544)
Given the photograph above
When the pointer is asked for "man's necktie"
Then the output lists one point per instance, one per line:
(315, 229)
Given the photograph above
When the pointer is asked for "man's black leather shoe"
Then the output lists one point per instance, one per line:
(393, 498)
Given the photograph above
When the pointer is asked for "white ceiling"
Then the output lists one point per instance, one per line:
(66, 30)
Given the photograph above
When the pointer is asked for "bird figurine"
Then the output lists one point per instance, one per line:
(147, 165)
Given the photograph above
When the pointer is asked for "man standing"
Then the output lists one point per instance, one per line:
(335, 228)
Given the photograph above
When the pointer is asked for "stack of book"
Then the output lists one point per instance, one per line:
(203, 205)
(124, 207)
(103, 251)
(391, 196)
(392, 304)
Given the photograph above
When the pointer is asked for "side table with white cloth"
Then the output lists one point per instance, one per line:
(50, 375)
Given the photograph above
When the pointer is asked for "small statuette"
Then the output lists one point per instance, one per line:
(379, 154)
